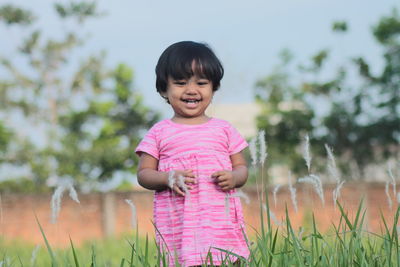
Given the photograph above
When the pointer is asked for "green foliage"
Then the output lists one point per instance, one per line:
(109, 149)
(5, 136)
(89, 141)
(346, 244)
(285, 117)
(339, 26)
(361, 121)
(78, 10)
(11, 14)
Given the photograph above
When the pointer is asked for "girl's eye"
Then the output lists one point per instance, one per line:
(179, 82)
(203, 82)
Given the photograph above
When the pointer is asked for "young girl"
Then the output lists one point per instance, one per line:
(194, 163)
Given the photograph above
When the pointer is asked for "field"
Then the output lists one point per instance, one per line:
(346, 244)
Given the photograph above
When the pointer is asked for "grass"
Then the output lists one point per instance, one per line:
(347, 244)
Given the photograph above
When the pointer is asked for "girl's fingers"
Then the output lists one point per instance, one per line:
(216, 174)
(190, 181)
(189, 174)
(179, 191)
(223, 184)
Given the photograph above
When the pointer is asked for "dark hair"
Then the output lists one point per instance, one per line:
(177, 62)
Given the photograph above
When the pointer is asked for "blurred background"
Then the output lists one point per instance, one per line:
(77, 93)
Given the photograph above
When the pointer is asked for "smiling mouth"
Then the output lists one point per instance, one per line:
(191, 100)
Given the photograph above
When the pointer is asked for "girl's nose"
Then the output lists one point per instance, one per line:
(191, 88)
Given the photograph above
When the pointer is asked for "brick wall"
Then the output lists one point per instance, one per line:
(101, 215)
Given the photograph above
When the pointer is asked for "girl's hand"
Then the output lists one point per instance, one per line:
(225, 180)
(181, 180)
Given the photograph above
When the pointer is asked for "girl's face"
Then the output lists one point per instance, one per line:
(189, 98)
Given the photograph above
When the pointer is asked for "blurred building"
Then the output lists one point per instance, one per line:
(242, 116)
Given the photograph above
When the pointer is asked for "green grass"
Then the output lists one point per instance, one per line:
(347, 244)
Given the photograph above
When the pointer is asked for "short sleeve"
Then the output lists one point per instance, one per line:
(149, 144)
(236, 142)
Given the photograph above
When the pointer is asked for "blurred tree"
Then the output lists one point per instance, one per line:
(55, 88)
(5, 136)
(100, 153)
(361, 122)
(285, 116)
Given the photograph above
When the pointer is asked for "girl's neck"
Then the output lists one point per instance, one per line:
(190, 121)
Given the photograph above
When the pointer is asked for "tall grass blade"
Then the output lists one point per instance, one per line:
(53, 258)
(93, 263)
(74, 253)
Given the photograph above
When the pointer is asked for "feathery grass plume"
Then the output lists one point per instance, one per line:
(182, 185)
(306, 152)
(55, 203)
(336, 193)
(332, 168)
(34, 255)
(316, 183)
(389, 199)
(241, 194)
(171, 179)
(133, 212)
(301, 231)
(263, 157)
(392, 178)
(292, 191)
(253, 154)
(272, 216)
(334, 172)
(253, 151)
(72, 193)
(263, 147)
(276, 189)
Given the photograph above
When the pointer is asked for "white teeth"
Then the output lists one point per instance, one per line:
(191, 101)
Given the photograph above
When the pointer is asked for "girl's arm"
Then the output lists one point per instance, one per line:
(229, 180)
(239, 169)
(149, 177)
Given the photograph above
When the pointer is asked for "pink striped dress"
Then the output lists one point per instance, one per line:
(207, 218)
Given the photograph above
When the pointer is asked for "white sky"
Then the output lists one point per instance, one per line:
(246, 35)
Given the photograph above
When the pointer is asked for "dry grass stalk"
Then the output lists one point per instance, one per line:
(292, 191)
(263, 157)
(263, 147)
(336, 193)
(253, 151)
(393, 180)
(306, 152)
(56, 198)
(241, 194)
(171, 179)
(133, 212)
(332, 168)
(389, 199)
(253, 154)
(334, 172)
(272, 216)
(34, 255)
(316, 183)
(276, 189)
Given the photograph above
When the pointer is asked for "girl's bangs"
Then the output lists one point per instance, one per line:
(189, 68)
